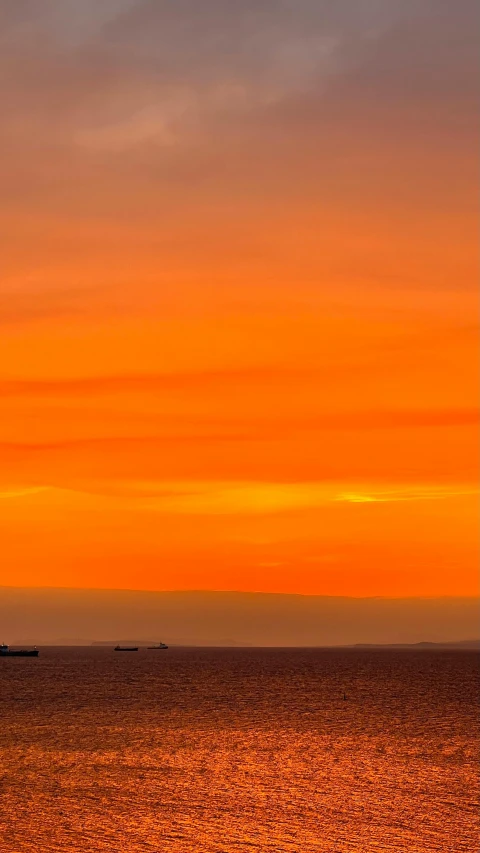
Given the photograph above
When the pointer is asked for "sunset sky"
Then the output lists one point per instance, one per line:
(238, 308)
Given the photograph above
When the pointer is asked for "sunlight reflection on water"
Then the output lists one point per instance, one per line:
(206, 750)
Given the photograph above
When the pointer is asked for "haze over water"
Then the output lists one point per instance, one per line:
(206, 750)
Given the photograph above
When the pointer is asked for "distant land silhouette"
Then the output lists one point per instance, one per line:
(82, 616)
(179, 643)
(460, 644)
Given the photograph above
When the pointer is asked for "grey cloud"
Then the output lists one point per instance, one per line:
(234, 102)
(67, 22)
(189, 61)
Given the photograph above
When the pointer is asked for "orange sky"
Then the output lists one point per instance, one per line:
(238, 312)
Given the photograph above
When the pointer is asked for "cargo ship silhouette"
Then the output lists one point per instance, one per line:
(7, 652)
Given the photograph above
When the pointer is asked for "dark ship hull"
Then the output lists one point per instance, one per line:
(19, 653)
(126, 649)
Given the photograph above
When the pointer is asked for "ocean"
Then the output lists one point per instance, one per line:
(235, 750)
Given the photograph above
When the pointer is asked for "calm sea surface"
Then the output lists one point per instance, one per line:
(227, 750)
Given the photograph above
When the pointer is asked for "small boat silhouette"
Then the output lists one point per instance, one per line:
(126, 649)
(158, 646)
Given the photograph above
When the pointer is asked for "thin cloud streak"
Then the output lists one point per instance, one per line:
(247, 498)
(201, 381)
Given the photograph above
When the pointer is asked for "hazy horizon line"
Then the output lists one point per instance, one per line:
(66, 642)
(203, 591)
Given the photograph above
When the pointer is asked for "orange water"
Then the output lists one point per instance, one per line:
(235, 750)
